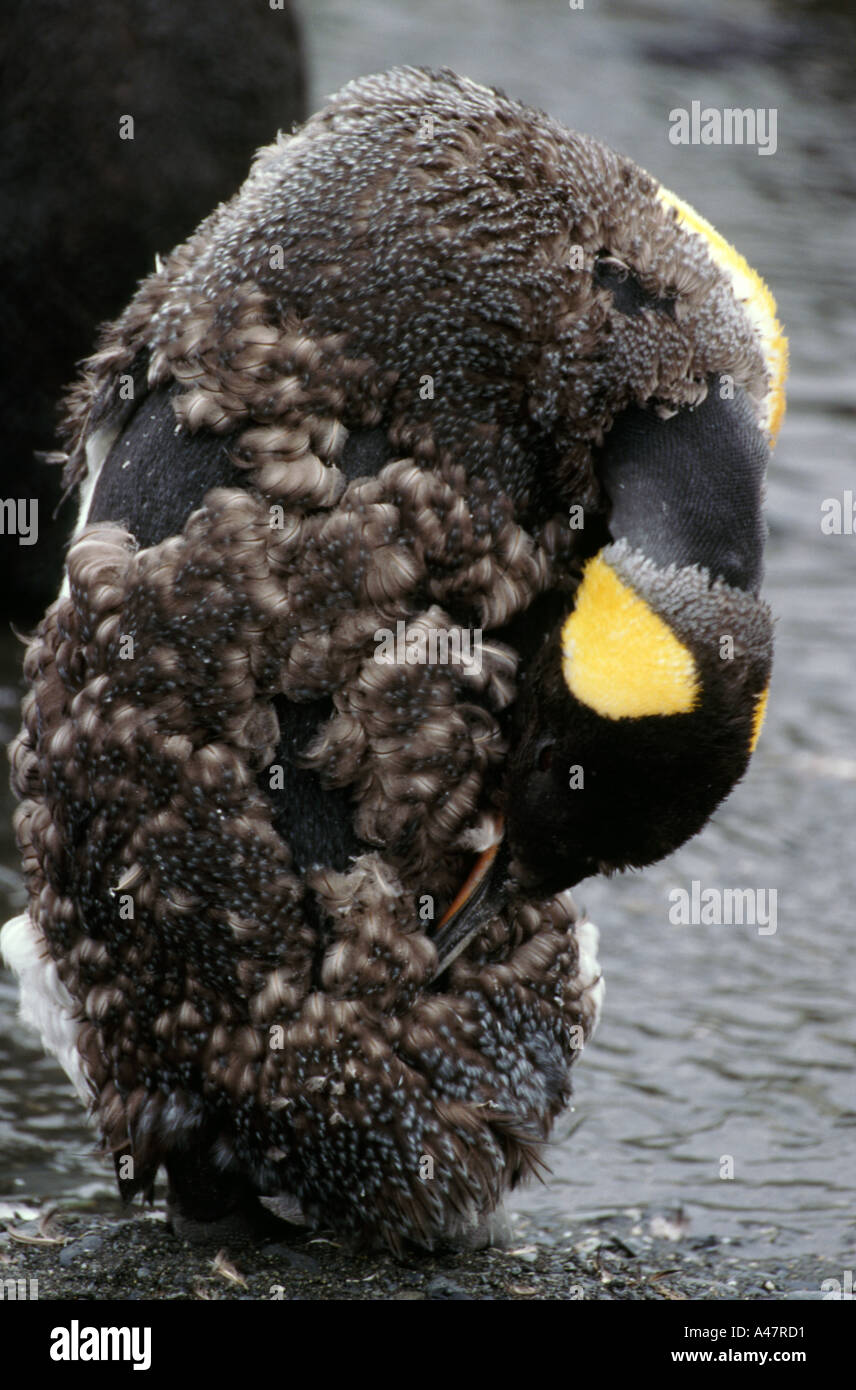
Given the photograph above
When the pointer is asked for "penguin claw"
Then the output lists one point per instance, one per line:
(285, 1207)
(242, 1223)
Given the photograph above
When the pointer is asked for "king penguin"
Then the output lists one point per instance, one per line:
(299, 926)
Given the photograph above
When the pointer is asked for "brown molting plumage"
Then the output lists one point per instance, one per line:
(256, 1023)
(362, 255)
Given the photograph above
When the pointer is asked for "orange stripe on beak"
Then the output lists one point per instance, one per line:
(472, 882)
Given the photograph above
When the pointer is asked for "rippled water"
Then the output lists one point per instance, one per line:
(716, 1041)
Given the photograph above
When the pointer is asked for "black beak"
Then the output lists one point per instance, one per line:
(482, 897)
(687, 490)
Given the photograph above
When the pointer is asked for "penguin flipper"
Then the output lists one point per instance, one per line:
(153, 477)
(156, 474)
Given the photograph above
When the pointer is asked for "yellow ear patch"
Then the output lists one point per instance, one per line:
(619, 657)
(752, 292)
(758, 719)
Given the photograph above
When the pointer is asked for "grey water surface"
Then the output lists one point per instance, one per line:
(718, 1042)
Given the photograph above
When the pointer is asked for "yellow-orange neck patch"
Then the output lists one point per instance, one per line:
(753, 293)
(619, 657)
(758, 718)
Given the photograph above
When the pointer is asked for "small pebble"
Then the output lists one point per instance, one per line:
(295, 1259)
(441, 1288)
(79, 1249)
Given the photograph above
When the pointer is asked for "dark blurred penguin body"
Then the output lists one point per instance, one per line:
(84, 212)
(368, 391)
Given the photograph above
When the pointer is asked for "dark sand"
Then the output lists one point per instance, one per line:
(134, 1255)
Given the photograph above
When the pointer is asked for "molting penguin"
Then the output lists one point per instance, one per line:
(365, 393)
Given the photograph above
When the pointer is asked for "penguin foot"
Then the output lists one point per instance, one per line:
(491, 1230)
(206, 1205)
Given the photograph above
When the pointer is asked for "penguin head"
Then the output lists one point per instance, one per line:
(485, 286)
(643, 705)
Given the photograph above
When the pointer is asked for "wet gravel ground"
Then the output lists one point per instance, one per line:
(636, 1256)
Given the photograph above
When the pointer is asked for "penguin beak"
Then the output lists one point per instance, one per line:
(481, 898)
(687, 488)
